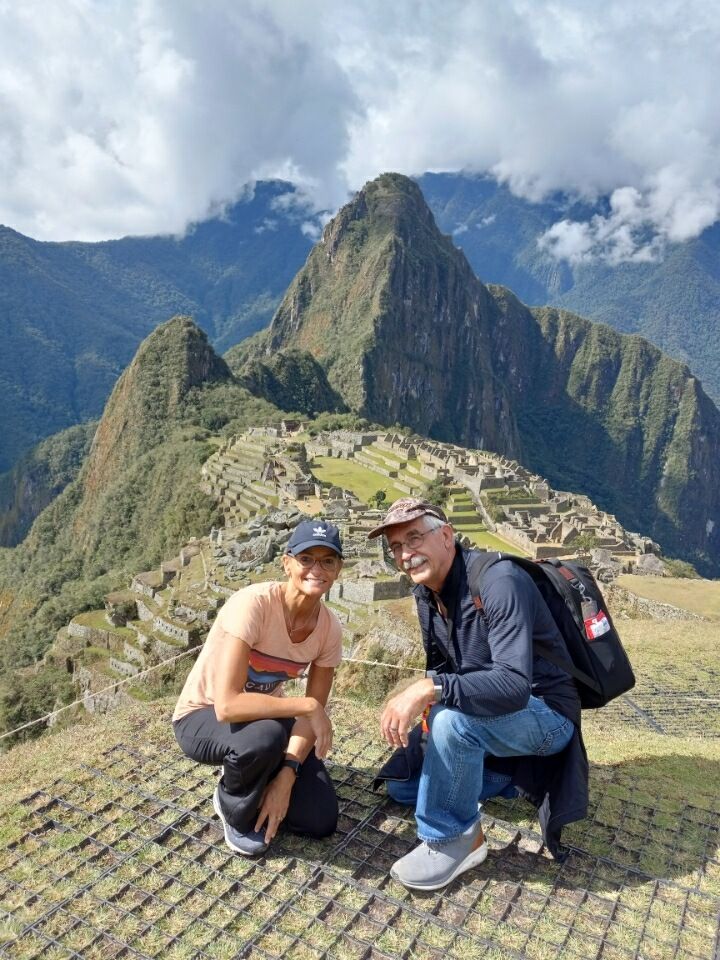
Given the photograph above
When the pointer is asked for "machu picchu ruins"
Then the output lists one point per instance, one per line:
(269, 478)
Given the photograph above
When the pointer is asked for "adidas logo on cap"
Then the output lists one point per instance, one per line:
(319, 532)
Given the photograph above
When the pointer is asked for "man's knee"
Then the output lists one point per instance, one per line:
(403, 792)
(448, 728)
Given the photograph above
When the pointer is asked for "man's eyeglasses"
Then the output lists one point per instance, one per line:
(412, 542)
(307, 562)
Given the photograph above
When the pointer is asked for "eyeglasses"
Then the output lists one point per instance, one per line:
(307, 562)
(412, 542)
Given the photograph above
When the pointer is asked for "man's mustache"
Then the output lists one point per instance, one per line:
(414, 562)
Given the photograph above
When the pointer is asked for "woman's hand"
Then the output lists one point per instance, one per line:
(274, 802)
(322, 729)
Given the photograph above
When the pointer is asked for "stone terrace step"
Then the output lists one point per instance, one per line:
(386, 459)
(464, 519)
(376, 466)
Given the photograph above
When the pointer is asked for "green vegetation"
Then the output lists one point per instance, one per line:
(378, 499)
(359, 479)
(680, 568)
(79, 310)
(292, 380)
(38, 477)
(32, 693)
(584, 543)
(135, 502)
(338, 421)
(436, 492)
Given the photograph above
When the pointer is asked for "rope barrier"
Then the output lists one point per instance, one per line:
(144, 673)
(111, 686)
(138, 676)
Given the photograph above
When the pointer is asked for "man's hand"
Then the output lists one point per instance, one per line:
(402, 711)
(274, 803)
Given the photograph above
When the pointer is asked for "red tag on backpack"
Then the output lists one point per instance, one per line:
(596, 626)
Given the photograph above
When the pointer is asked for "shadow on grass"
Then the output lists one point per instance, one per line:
(658, 817)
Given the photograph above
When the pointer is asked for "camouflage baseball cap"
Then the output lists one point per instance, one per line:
(404, 510)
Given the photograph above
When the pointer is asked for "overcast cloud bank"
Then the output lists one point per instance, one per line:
(141, 116)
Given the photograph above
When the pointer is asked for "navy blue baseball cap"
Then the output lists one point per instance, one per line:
(314, 533)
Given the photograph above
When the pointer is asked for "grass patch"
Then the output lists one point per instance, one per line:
(697, 596)
(679, 655)
(359, 479)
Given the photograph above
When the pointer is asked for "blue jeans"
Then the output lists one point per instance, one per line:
(452, 778)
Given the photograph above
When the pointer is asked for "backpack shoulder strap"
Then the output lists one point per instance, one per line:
(476, 569)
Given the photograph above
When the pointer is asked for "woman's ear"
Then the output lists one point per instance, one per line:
(286, 563)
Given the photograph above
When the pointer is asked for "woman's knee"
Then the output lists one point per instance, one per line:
(318, 819)
(265, 735)
(313, 809)
(259, 745)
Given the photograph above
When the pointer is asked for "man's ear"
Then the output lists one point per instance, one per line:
(448, 536)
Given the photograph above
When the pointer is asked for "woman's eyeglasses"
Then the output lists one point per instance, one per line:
(307, 562)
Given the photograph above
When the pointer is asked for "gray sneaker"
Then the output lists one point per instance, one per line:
(433, 865)
(249, 844)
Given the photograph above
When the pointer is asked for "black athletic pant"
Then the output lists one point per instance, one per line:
(251, 754)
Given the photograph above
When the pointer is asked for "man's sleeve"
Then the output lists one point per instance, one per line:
(504, 685)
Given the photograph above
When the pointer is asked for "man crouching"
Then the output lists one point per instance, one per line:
(490, 698)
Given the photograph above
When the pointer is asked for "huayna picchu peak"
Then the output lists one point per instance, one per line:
(408, 334)
(171, 361)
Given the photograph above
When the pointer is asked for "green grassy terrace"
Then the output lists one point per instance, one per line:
(697, 596)
(359, 479)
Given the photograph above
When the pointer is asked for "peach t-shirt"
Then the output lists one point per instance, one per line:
(255, 615)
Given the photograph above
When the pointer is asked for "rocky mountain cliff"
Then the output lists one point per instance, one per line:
(407, 333)
(673, 301)
(384, 283)
(146, 402)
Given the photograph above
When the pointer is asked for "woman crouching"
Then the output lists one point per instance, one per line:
(232, 710)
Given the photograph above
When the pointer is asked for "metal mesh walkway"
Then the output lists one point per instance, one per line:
(126, 859)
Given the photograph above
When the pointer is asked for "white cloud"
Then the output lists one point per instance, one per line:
(137, 116)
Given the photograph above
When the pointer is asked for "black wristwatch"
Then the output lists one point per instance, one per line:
(293, 764)
(437, 684)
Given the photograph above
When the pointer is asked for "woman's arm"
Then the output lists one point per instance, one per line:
(303, 734)
(276, 798)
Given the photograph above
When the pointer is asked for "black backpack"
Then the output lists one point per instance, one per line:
(599, 664)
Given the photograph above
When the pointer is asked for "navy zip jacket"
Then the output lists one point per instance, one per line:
(486, 665)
